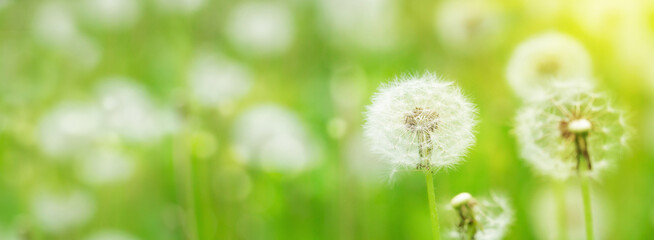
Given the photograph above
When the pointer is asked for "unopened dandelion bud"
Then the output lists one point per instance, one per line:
(461, 199)
(579, 126)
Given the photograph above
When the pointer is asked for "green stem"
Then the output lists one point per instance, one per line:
(561, 211)
(585, 194)
(432, 206)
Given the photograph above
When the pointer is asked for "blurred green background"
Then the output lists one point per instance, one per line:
(189, 168)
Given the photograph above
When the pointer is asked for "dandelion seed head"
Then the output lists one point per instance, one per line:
(375, 29)
(261, 29)
(417, 112)
(56, 212)
(54, 24)
(494, 216)
(105, 166)
(273, 138)
(546, 129)
(180, 6)
(130, 112)
(465, 23)
(216, 81)
(544, 58)
(111, 14)
(68, 128)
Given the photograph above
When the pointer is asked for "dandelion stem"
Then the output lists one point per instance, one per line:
(585, 194)
(432, 206)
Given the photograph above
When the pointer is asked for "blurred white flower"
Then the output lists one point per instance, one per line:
(84, 52)
(368, 24)
(54, 24)
(544, 214)
(111, 14)
(567, 120)
(485, 219)
(545, 57)
(4, 3)
(58, 212)
(215, 80)
(261, 29)
(68, 128)
(110, 234)
(275, 139)
(421, 122)
(464, 24)
(180, 6)
(129, 111)
(105, 166)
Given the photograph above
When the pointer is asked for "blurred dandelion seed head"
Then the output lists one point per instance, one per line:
(54, 24)
(261, 29)
(543, 58)
(216, 81)
(275, 139)
(105, 166)
(68, 128)
(367, 24)
(465, 23)
(493, 215)
(111, 14)
(417, 107)
(179, 6)
(56, 212)
(110, 234)
(546, 126)
(129, 111)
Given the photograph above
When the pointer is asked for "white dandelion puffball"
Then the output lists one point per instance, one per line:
(273, 138)
(493, 216)
(545, 217)
(214, 80)
(462, 23)
(54, 24)
(111, 14)
(110, 234)
(543, 58)
(368, 24)
(420, 122)
(130, 112)
(58, 212)
(261, 29)
(68, 128)
(4, 3)
(105, 166)
(550, 128)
